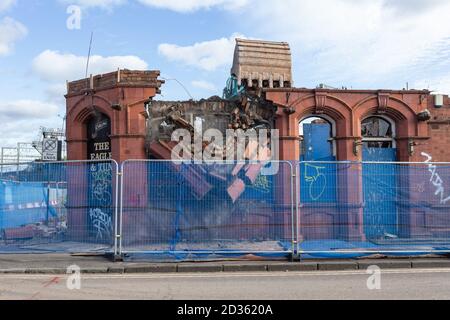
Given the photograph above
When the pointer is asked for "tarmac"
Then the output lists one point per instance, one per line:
(99, 264)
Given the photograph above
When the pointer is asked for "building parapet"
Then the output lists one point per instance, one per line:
(125, 78)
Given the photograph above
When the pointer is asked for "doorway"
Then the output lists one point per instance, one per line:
(100, 179)
(318, 152)
(379, 177)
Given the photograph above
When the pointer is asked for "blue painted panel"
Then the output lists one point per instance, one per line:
(317, 180)
(317, 146)
(379, 154)
(23, 204)
(380, 192)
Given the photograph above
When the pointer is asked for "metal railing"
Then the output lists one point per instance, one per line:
(364, 208)
(58, 207)
(226, 209)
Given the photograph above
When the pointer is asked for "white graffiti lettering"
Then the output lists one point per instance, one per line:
(102, 222)
(435, 179)
(101, 182)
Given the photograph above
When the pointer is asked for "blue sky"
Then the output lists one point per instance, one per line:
(352, 43)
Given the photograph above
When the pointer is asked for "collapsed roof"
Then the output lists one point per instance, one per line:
(256, 65)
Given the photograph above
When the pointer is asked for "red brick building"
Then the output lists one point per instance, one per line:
(419, 131)
(346, 111)
(414, 125)
(120, 97)
(123, 100)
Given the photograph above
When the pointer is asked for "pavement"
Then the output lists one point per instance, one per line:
(393, 284)
(98, 264)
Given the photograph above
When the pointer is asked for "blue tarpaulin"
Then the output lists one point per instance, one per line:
(24, 203)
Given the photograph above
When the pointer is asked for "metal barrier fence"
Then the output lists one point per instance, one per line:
(215, 210)
(358, 209)
(190, 211)
(58, 207)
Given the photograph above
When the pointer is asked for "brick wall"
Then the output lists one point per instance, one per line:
(120, 96)
(118, 78)
(438, 146)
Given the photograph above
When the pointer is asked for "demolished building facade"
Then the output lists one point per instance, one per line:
(259, 96)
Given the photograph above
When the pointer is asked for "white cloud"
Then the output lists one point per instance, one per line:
(27, 109)
(53, 66)
(205, 85)
(104, 4)
(181, 6)
(25, 130)
(55, 92)
(439, 84)
(208, 55)
(6, 4)
(360, 41)
(56, 68)
(11, 31)
(185, 6)
(22, 119)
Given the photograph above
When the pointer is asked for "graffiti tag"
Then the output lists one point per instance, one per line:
(101, 179)
(435, 179)
(317, 181)
(102, 223)
(262, 184)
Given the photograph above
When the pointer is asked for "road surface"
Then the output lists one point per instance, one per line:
(395, 284)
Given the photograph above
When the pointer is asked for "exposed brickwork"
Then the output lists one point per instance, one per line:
(347, 109)
(439, 131)
(119, 95)
(122, 78)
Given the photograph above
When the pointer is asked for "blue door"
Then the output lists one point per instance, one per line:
(318, 180)
(380, 193)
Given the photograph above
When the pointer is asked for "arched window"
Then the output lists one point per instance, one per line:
(378, 132)
(317, 135)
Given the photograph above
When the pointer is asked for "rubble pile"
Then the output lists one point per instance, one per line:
(246, 112)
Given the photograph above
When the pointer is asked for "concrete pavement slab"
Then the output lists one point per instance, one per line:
(395, 264)
(151, 268)
(431, 264)
(58, 264)
(200, 268)
(338, 266)
(292, 267)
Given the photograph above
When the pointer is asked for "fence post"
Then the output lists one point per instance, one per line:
(117, 219)
(295, 202)
(293, 220)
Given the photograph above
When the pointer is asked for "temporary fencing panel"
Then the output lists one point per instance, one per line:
(187, 211)
(214, 210)
(58, 207)
(380, 208)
